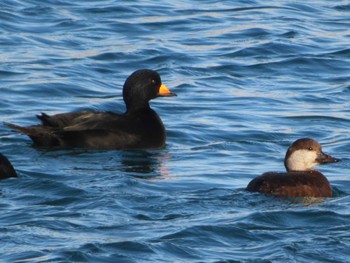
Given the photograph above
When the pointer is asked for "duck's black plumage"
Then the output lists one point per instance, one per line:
(6, 168)
(138, 127)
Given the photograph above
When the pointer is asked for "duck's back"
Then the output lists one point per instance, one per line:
(105, 130)
(292, 184)
(143, 129)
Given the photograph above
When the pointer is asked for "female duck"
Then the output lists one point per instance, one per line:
(300, 180)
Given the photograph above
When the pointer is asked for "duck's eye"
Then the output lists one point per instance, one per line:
(310, 149)
(153, 81)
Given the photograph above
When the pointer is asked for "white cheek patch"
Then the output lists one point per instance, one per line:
(302, 160)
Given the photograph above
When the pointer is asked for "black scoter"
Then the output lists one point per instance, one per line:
(138, 127)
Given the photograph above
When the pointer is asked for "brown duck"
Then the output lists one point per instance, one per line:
(300, 180)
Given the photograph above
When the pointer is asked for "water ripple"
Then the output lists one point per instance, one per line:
(251, 77)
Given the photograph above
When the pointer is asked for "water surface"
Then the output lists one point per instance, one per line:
(251, 77)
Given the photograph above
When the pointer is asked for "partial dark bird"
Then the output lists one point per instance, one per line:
(6, 168)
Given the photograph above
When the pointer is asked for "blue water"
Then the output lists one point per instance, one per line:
(251, 77)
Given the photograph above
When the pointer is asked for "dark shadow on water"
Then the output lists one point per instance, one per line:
(145, 164)
(140, 163)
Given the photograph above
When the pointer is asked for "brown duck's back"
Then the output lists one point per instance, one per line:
(292, 184)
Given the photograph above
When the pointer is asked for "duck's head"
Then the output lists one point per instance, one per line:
(142, 86)
(304, 154)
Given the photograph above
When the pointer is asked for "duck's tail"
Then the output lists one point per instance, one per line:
(24, 130)
(40, 135)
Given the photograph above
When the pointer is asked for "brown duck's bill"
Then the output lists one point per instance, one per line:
(165, 92)
(325, 158)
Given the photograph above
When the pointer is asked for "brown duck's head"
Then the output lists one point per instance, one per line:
(304, 154)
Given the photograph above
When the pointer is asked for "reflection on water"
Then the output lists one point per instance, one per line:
(145, 164)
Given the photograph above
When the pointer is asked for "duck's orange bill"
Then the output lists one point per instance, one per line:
(165, 92)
